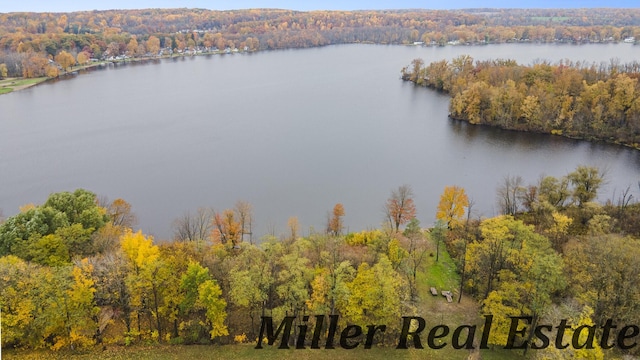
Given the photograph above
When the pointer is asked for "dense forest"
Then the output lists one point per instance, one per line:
(580, 100)
(29, 40)
(74, 275)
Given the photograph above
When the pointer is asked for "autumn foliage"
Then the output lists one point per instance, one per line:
(574, 99)
(335, 224)
(452, 205)
(74, 275)
(400, 207)
(145, 32)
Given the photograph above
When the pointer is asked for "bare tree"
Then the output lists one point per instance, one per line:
(417, 249)
(293, 225)
(509, 194)
(193, 227)
(244, 210)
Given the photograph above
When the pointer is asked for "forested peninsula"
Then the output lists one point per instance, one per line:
(573, 99)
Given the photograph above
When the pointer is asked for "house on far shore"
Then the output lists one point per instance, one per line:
(630, 40)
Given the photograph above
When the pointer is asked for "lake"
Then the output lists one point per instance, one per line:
(292, 132)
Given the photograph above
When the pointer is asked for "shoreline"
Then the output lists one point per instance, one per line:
(14, 84)
(26, 83)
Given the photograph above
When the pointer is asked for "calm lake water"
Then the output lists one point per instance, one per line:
(292, 132)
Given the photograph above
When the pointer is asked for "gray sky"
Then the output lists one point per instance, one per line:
(75, 5)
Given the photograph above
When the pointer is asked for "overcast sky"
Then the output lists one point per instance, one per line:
(77, 5)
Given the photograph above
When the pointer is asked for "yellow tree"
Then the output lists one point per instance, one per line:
(375, 295)
(528, 271)
(210, 298)
(3, 71)
(132, 46)
(396, 253)
(83, 57)
(81, 307)
(452, 205)
(362, 297)
(65, 60)
(580, 321)
(16, 303)
(153, 45)
(34, 65)
(559, 229)
(139, 249)
(318, 302)
(227, 230)
(52, 71)
(144, 281)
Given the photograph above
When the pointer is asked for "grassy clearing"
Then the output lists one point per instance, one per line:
(14, 84)
(441, 274)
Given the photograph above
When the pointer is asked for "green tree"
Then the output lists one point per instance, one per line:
(249, 283)
(586, 181)
(191, 312)
(71, 219)
(191, 280)
(293, 284)
(554, 191)
(601, 271)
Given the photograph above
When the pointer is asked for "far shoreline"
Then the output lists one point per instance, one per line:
(9, 85)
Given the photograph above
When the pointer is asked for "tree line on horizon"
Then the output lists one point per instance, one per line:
(73, 273)
(29, 40)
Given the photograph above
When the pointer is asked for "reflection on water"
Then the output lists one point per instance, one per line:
(291, 132)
